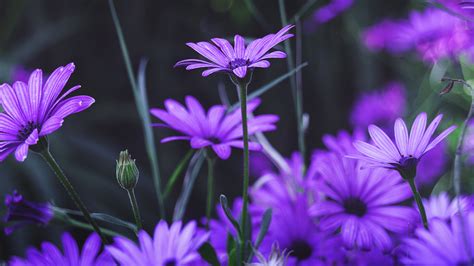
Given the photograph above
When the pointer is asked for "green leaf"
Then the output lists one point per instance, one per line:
(176, 173)
(268, 86)
(232, 257)
(208, 253)
(228, 213)
(266, 220)
(113, 220)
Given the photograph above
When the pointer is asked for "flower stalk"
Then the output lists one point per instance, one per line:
(419, 202)
(210, 187)
(48, 157)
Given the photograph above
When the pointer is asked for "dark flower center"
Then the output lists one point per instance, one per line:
(170, 262)
(355, 206)
(27, 129)
(407, 166)
(214, 140)
(463, 263)
(301, 250)
(238, 62)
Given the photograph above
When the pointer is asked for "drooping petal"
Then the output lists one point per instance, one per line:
(198, 143)
(222, 150)
(21, 152)
(240, 71)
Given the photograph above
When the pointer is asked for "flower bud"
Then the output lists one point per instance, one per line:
(126, 171)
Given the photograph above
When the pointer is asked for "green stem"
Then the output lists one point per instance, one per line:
(419, 202)
(243, 106)
(48, 157)
(135, 209)
(73, 222)
(210, 189)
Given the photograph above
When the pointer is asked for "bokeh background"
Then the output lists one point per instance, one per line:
(46, 34)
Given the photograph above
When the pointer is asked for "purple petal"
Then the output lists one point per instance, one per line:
(253, 146)
(372, 152)
(427, 135)
(274, 54)
(72, 105)
(240, 71)
(383, 142)
(32, 138)
(11, 105)
(225, 47)
(168, 139)
(212, 71)
(21, 152)
(416, 133)
(439, 138)
(239, 46)
(21, 91)
(401, 136)
(51, 125)
(198, 143)
(222, 150)
(90, 249)
(35, 87)
(261, 64)
(71, 251)
(222, 61)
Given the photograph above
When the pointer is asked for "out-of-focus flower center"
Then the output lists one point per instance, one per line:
(214, 140)
(355, 206)
(26, 130)
(301, 250)
(408, 162)
(238, 62)
(170, 262)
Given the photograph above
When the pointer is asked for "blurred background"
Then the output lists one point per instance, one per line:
(47, 34)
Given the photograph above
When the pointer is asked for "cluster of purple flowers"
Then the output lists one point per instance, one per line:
(351, 205)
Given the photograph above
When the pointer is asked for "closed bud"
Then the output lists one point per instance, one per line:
(126, 171)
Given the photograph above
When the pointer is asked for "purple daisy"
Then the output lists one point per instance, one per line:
(51, 255)
(170, 245)
(21, 212)
(221, 56)
(405, 154)
(441, 207)
(361, 203)
(35, 110)
(380, 108)
(218, 129)
(444, 244)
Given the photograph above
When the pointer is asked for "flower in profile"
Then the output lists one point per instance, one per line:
(433, 33)
(276, 257)
(361, 203)
(221, 56)
(22, 212)
(405, 154)
(34, 110)
(441, 207)
(380, 108)
(170, 245)
(218, 129)
(51, 255)
(443, 244)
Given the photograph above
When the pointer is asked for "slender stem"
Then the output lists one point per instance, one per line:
(48, 157)
(419, 202)
(73, 222)
(243, 106)
(210, 189)
(135, 209)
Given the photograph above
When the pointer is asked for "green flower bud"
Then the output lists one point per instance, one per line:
(126, 171)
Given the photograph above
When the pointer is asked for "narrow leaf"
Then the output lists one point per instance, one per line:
(113, 220)
(228, 213)
(208, 253)
(176, 173)
(266, 220)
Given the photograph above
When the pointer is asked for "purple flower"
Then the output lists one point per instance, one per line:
(361, 203)
(221, 56)
(218, 129)
(433, 33)
(433, 165)
(441, 207)
(21, 212)
(405, 154)
(380, 108)
(19, 73)
(260, 164)
(331, 10)
(442, 244)
(170, 245)
(51, 255)
(34, 110)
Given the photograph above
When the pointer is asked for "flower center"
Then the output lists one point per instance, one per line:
(355, 206)
(238, 62)
(214, 140)
(170, 262)
(301, 250)
(27, 129)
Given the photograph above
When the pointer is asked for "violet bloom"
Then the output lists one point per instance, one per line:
(170, 245)
(218, 130)
(331, 10)
(19, 73)
(444, 244)
(35, 110)
(21, 212)
(361, 203)
(221, 56)
(433, 165)
(50, 255)
(380, 108)
(407, 151)
(441, 207)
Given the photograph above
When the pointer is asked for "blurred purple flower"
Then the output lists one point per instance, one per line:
(21, 212)
(380, 108)
(331, 10)
(260, 164)
(433, 33)
(19, 73)
(173, 245)
(221, 56)
(51, 255)
(361, 203)
(443, 244)
(432, 166)
(34, 110)
(441, 207)
(217, 129)
(407, 151)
